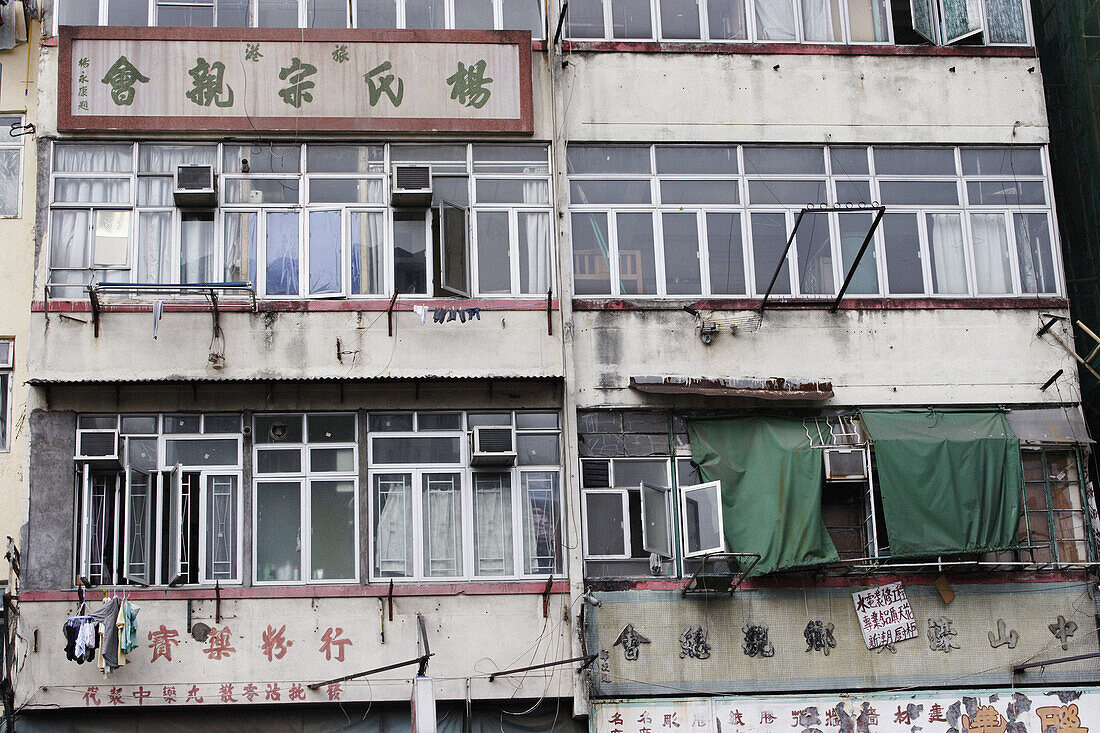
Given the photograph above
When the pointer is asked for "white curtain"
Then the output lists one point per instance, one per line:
(945, 240)
(367, 252)
(393, 529)
(1033, 246)
(442, 525)
(817, 20)
(69, 229)
(154, 263)
(281, 253)
(493, 524)
(165, 158)
(325, 262)
(90, 158)
(991, 265)
(92, 190)
(775, 20)
(197, 249)
(534, 244)
(10, 178)
(240, 233)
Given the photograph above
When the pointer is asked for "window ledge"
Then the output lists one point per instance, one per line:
(375, 590)
(800, 49)
(720, 304)
(404, 303)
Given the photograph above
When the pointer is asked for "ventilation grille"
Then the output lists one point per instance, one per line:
(413, 178)
(595, 474)
(98, 443)
(845, 464)
(194, 178)
(494, 440)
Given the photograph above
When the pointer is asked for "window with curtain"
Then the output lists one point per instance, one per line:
(11, 168)
(714, 220)
(430, 511)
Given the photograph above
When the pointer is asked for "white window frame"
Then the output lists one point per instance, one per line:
(684, 490)
(625, 504)
(7, 142)
(7, 386)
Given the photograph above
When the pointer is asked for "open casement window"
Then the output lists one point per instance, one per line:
(139, 526)
(944, 22)
(606, 524)
(657, 520)
(177, 553)
(454, 249)
(701, 517)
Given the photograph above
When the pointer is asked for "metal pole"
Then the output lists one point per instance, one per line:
(859, 256)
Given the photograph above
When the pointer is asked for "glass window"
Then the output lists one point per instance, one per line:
(473, 14)
(523, 15)
(78, 13)
(416, 450)
(637, 268)
(680, 235)
(278, 536)
(904, 275)
(493, 252)
(584, 19)
(680, 19)
(410, 239)
(631, 19)
(591, 254)
(701, 508)
(915, 161)
(726, 20)
(277, 13)
(128, 12)
(425, 14)
(541, 536)
(868, 21)
(815, 255)
(281, 274)
(196, 14)
(338, 428)
(769, 238)
(392, 538)
(537, 450)
(332, 530)
(726, 255)
(325, 263)
(1035, 254)
(442, 531)
(492, 509)
(606, 532)
(376, 14)
(326, 14)
(222, 526)
(946, 254)
(775, 20)
(277, 429)
(212, 452)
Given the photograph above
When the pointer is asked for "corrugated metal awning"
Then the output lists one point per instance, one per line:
(43, 382)
(772, 388)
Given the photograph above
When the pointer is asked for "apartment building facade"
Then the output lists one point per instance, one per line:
(517, 336)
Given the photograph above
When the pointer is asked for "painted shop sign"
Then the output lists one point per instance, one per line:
(885, 616)
(933, 712)
(261, 79)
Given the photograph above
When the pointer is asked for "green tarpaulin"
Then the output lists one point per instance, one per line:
(771, 487)
(950, 481)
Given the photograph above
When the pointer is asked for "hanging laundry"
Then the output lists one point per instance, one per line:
(107, 618)
(80, 639)
(128, 636)
(422, 312)
(158, 312)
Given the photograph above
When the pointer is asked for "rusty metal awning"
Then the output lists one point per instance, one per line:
(772, 388)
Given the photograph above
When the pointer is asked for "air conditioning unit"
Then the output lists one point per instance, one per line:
(97, 445)
(845, 464)
(493, 446)
(412, 186)
(195, 186)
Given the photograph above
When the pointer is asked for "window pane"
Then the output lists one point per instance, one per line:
(127, 12)
(992, 269)
(11, 176)
(78, 13)
(332, 530)
(155, 191)
(1005, 21)
(784, 160)
(368, 255)
(591, 255)
(637, 267)
(821, 20)
(849, 161)
(262, 158)
(696, 159)
(416, 450)
(112, 239)
(868, 21)
(286, 460)
(154, 263)
(221, 527)
(410, 253)
(221, 423)
(604, 535)
(679, 19)
(727, 263)
(609, 192)
(325, 262)
(815, 255)
(182, 423)
(537, 450)
(630, 19)
(948, 258)
(493, 524)
(1008, 162)
(277, 13)
(233, 13)
(331, 428)
(700, 192)
(584, 19)
(726, 19)
(530, 159)
(346, 191)
(210, 452)
(1006, 193)
(853, 192)
(92, 190)
(511, 190)
(629, 474)
(424, 14)
(392, 546)
(769, 237)
(278, 429)
(139, 542)
(399, 422)
(701, 509)
(376, 14)
(197, 247)
(535, 420)
(241, 231)
(1034, 250)
(853, 231)
(475, 419)
(607, 159)
(928, 193)
(960, 19)
(535, 265)
(792, 193)
(903, 264)
(442, 502)
(282, 253)
(438, 421)
(681, 251)
(915, 161)
(261, 191)
(451, 158)
(473, 14)
(139, 425)
(326, 14)
(184, 16)
(69, 238)
(541, 551)
(656, 520)
(775, 20)
(92, 158)
(494, 264)
(330, 460)
(523, 15)
(344, 158)
(278, 531)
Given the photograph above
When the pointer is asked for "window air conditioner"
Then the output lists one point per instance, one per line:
(845, 464)
(97, 445)
(493, 446)
(412, 186)
(195, 186)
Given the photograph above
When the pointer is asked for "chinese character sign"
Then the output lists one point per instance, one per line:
(885, 616)
(184, 82)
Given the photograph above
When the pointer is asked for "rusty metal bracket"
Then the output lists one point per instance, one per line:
(218, 602)
(214, 312)
(421, 660)
(1017, 668)
(546, 596)
(587, 659)
(549, 316)
(389, 312)
(93, 298)
(389, 597)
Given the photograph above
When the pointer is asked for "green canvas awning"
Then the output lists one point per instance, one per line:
(771, 487)
(950, 481)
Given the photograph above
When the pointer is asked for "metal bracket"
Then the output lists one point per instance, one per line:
(93, 298)
(546, 596)
(389, 597)
(214, 312)
(587, 659)
(389, 312)
(18, 130)
(561, 22)
(549, 318)
(694, 586)
(218, 602)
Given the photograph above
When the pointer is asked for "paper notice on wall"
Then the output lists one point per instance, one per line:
(885, 616)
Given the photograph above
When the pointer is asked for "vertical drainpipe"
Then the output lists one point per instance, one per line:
(571, 485)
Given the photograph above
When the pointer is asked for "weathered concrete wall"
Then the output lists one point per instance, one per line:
(49, 552)
(808, 98)
(889, 357)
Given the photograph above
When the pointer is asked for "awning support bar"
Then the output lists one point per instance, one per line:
(587, 659)
(881, 210)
